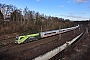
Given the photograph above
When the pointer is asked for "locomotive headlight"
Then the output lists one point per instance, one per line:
(16, 41)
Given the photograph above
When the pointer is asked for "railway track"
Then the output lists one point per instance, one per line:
(17, 50)
(11, 50)
(69, 53)
(81, 47)
(60, 55)
(46, 47)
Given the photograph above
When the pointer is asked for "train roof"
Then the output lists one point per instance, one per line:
(50, 31)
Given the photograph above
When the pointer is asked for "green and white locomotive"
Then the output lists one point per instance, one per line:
(27, 38)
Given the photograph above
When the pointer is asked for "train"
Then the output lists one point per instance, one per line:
(40, 35)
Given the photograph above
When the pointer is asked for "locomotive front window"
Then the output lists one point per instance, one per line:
(21, 37)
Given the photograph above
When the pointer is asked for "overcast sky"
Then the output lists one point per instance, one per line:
(68, 9)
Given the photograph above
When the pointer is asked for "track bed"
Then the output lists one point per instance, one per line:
(80, 50)
(33, 49)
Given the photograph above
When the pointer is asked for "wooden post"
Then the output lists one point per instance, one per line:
(41, 28)
(79, 28)
(74, 29)
(87, 30)
(59, 33)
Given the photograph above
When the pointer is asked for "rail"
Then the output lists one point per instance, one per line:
(52, 53)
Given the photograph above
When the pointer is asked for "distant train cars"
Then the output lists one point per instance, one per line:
(37, 36)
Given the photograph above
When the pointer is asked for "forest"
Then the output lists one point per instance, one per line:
(25, 21)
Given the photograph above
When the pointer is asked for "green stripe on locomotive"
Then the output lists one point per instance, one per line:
(33, 35)
(21, 39)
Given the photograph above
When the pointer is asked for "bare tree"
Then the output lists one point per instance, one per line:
(25, 14)
(37, 17)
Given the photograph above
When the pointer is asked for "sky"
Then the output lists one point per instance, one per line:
(67, 9)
